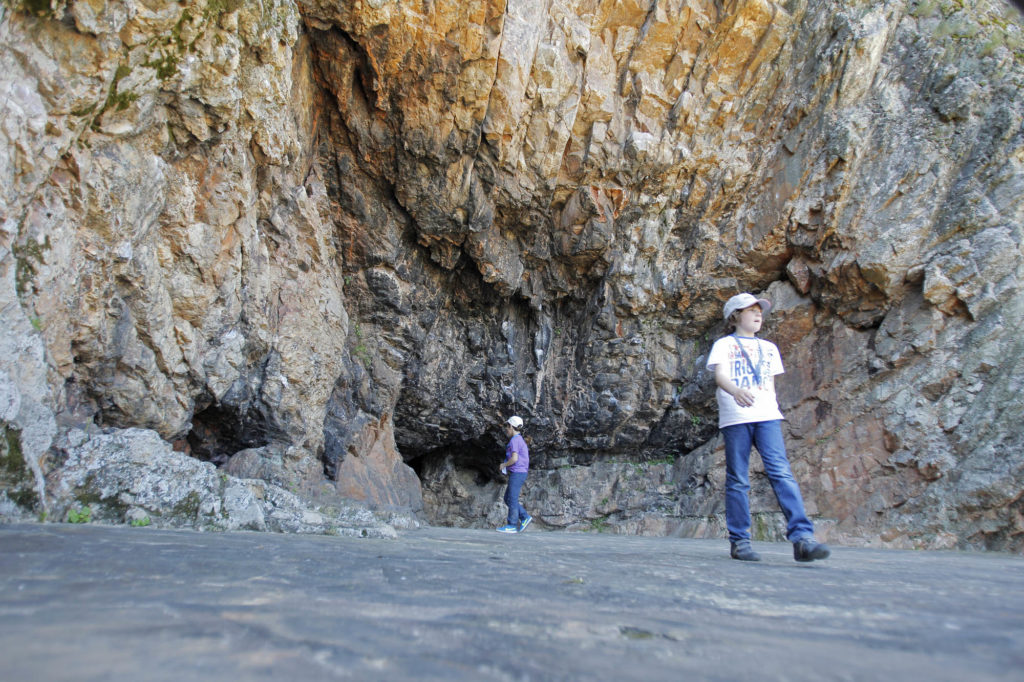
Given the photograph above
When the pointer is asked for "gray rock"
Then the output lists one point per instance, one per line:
(133, 476)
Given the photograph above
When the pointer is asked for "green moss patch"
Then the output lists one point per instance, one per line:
(39, 8)
(28, 257)
(15, 476)
(188, 507)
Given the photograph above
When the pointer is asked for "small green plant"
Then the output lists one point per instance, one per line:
(115, 98)
(166, 65)
(599, 525)
(695, 420)
(140, 523)
(575, 580)
(80, 515)
(363, 353)
(27, 257)
(82, 112)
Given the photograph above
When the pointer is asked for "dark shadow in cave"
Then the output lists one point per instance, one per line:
(435, 468)
(219, 431)
(479, 456)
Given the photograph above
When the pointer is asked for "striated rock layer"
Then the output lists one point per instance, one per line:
(338, 242)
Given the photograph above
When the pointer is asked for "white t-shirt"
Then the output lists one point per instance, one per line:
(766, 360)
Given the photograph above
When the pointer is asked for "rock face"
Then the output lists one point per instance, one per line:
(338, 242)
(135, 476)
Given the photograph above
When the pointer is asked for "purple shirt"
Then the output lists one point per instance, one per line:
(518, 446)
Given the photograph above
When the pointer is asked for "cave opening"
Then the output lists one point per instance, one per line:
(219, 431)
(479, 457)
(468, 457)
(460, 481)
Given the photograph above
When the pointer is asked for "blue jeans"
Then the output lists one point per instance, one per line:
(516, 513)
(767, 438)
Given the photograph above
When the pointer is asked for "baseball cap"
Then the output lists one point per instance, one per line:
(515, 422)
(744, 301)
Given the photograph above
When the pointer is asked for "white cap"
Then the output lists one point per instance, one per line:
(515, 422)
(744, 301)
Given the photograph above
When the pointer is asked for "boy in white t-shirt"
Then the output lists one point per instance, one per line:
(748, 415)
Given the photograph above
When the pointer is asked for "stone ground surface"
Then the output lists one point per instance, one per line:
(117, 603)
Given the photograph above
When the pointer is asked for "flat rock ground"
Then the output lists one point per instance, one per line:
(117, 603)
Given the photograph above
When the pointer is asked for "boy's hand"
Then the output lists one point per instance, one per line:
(743, 397)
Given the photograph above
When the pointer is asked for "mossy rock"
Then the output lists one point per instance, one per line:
(15, 476)
(187, 507)
(39, 8)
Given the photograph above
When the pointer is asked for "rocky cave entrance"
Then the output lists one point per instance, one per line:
(219, 431)
(461, 484)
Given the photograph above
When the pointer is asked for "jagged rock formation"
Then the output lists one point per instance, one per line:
(133, 475)
(333, 241)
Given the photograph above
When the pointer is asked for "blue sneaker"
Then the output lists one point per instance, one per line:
(524, 523)
(508, 528)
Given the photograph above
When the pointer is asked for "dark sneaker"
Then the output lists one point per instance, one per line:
(809, 550)
(744, 552)
(524, 523)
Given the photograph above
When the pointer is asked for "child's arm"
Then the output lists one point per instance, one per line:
(510, 461)
(743, 397)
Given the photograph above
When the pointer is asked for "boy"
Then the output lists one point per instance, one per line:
(749, 415)
(517, 463)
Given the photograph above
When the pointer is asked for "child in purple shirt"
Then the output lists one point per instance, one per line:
(517, 464)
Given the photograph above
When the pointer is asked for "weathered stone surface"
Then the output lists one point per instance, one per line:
(134, 476)
(333, 244)
(430, 605)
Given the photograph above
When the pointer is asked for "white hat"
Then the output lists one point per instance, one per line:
(744, 301)
(515, 422)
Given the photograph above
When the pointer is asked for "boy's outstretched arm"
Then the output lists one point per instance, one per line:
(743, 397)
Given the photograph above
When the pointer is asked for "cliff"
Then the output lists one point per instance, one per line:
(327, 247)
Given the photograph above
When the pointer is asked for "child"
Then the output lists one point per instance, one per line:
(744, 368)
(517, 463)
